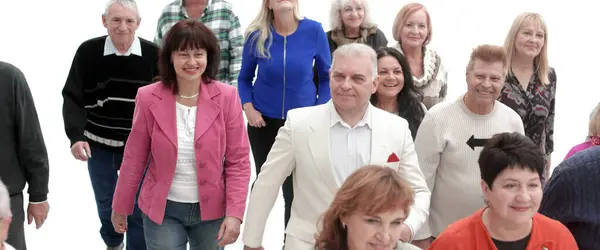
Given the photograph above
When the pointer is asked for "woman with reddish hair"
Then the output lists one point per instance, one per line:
(367, 212)
(412, 30)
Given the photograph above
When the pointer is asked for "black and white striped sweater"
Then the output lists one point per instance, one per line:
(99, 94)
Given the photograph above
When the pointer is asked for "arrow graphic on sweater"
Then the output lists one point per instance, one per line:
(472, 142)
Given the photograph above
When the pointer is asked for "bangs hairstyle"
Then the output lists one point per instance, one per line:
(403, 15)
(335, 16)
(541, 61)
(509, 150)
(370, 190)
(490, 54)
(184, 35)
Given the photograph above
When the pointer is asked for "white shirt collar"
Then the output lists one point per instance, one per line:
(336, 118)
(135, 48)
(8, 247)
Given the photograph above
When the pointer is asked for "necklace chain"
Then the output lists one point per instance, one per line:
(188, 97)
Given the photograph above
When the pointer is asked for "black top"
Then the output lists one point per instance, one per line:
(375, 41)
(100, 91)
(512, 245)
(23, 154)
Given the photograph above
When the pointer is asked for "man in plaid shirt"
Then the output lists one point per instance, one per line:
(218, 16)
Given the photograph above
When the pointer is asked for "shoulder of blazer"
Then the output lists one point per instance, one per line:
(306, 116)
(225, 89)
(389, 118)
(150, 93)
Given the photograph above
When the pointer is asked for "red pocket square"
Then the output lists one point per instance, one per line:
(393, 158)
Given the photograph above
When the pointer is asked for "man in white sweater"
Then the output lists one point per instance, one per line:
(452, 135)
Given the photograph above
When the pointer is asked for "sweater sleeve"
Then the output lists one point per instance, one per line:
(33, 156)
(247, 70)
(322, 64)
(74, 114)
(236, 40)
(429, 147)
(558, 197)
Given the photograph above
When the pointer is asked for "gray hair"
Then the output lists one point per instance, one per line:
(357, 49)
(335, 18)
(129, 4)
(4, 202)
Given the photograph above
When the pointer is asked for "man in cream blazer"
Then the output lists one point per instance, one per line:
(324, 144)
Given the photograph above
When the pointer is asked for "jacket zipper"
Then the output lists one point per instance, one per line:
(284, 58)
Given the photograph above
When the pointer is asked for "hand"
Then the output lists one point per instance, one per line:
(250, 248)
(423, 244)
(229, 231)
(77, 150)
(119, 222)
(406, 233)
(254, 117)
(37, 212)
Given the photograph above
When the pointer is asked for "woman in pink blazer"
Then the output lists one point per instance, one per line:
(190, 132)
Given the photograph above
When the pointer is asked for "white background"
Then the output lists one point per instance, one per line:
(40, 37)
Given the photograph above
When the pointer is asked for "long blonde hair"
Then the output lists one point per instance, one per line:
(262, 26)
(541, 60)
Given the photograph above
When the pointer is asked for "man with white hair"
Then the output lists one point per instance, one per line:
(23, 158)
(5, 217)
(322, 145)
(99, 97)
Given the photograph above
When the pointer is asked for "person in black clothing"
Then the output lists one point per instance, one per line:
(98, 108)
(23, 154)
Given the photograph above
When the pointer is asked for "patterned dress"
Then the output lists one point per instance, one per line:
(535, 105)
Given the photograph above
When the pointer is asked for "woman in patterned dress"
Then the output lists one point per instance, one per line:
(530, 82)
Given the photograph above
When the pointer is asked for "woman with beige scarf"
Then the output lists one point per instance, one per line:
(412, 30)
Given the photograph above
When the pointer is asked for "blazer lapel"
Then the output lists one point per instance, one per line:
(164, 113)
(319, 148)
(207, 110)
(379, 150)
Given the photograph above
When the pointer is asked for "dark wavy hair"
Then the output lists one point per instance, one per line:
(409, 99)
(188, 34)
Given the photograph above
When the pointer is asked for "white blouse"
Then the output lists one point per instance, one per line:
(184, 187)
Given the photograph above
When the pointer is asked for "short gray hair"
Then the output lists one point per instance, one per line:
(129, 4)
(357, 49)
(335, 19)
(5, 212)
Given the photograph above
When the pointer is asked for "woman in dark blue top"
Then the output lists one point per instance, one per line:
(284, 47)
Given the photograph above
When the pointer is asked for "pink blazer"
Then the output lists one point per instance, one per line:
(221, 145)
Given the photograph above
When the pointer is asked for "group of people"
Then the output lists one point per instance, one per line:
(358, 135)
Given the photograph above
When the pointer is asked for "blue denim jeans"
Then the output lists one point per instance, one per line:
(103, 168)
(182, 224)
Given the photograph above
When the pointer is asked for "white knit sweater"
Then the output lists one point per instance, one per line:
(448, 149)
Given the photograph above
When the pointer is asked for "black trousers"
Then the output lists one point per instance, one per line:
(261, 141)
(16, 232)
